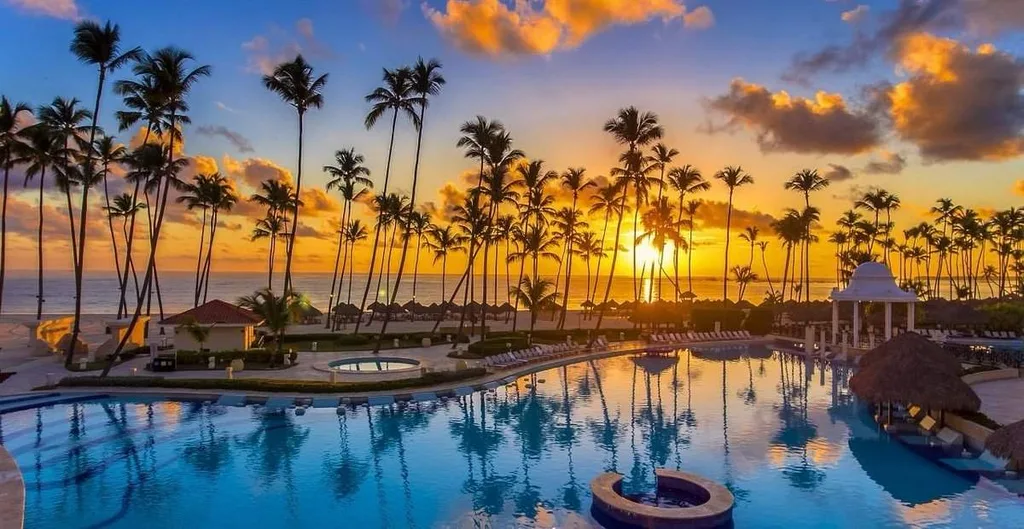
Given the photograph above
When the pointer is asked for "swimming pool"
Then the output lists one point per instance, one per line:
(782, 434)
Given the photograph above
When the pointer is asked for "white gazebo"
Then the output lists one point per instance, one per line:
(872, 282)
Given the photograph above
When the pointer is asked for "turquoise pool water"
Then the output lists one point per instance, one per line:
(782, 434)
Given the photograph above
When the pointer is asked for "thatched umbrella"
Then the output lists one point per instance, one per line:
(744, 305)
(346, 309)
(377, 306)
(1008, 443)
(925, 352)
(903, 376)
(687, 295)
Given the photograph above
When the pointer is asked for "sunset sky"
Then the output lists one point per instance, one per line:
(923, 98)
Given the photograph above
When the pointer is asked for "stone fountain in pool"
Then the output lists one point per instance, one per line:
(681, 501)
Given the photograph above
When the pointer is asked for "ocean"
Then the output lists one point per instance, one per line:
(100, 292)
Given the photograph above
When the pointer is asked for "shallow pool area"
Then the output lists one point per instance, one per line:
(781, 433)
(374, 365)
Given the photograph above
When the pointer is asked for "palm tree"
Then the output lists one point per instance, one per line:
(606, 200)
(64, 118)
(396, 96)
(763, 245)
(100, 47)
(348, 172)
(145, 165)
(662, 156)
(575, 181)
(196, 195)
(743, 277)
(686, 180)
(750, 234)
(170, 70)
(732, 177)
(125, 207)
(199, 333)
(427, 82)
(534, 296)
(806, 182)
(298, 86)
(589, 247)
(355, 232)
(110, 153)
(634, 129)
(472, 220)
(277, 313)
(691, 211)
(419, 223)
(661, 229)
(538, 206)
(444, 242)
(222, 198)
(568, 222)
(271, 228)
(9, 142)
(39, 150)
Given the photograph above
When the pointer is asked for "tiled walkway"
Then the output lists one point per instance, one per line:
(1002, 400)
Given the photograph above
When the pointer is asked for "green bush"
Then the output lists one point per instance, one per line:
(704, 319)
(493, 346)
(196, 358)
(272, 385)
(759, 322)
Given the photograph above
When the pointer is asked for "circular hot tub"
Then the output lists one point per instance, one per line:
(373, 365)
(681, 500)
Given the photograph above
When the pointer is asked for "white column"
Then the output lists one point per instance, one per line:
(835, 321)
(856, 324)
(910, 316)
(888, 320)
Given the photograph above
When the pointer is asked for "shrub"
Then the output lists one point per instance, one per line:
(704, 319)
(272, 385)
(759, 322)
(196, 358)
(493, 346)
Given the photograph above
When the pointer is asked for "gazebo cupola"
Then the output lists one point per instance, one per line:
(871, 282)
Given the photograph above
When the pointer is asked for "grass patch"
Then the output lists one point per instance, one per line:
(269, 385)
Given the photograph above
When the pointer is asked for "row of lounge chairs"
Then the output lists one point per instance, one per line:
(539, 353)
(938, 335)
(687, 337)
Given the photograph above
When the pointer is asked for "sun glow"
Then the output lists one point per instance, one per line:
(645, 255)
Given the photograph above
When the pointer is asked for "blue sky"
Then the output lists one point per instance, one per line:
(554, 100)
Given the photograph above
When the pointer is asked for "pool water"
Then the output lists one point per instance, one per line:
(373, 364)
(783, 435)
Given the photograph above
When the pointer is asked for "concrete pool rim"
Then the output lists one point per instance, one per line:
(714, 511)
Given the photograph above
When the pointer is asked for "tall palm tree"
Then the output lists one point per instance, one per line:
(99, 46)
(296, 84)
(533, 179)
(574, 180)
(348, 173)
(108, 152)
(419, 223)
(763, 245)
(806, 182)
(125, 207)
(686, 180)
(354, 233)
(271, 227)
(750, 234)
(534, 295)
(662, 156)
(634, 129)
(444, 242)
(661, 228)
(609, 201)
(144, 166)
(691, 211)
(427, 82)
(222, 198)
(64, 118)
(568, 222)
(174, 77)
(39, 150)
(9, 142)
(472, 220)
(197, 195)
(744, 276)
(635, 174)
(732, 177)
(789, 230)
(395, 96)
(590, 246)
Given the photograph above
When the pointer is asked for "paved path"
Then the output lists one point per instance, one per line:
(1002, 400)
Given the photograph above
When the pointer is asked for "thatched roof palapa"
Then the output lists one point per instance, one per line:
(1008, 442)
(906, 370)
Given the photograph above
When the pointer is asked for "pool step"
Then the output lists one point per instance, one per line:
(231, 400)
(47, 399)
(279, 403)
(24, 396)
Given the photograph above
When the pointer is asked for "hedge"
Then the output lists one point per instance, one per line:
(759, 322)
(271, 385)
(704, 319)
(493, 346)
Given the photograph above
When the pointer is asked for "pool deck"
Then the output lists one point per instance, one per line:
(1002, 400)
(12, 493)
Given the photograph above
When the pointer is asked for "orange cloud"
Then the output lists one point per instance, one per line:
(856, 14)
(958, 103)
(156, 138)
(316, 202)
(252, 171)
(1018, 187)
(493, 27)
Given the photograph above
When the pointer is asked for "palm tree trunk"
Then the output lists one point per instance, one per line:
(110, 226)
(611, 275)
(636, 222)
(376, 232)
(444, 268)
(334, 276)
(728, 227)
(290, 247)
(408, 232)
(483, 306)
(209, 254)
(600, 256)
(199, 260)
(3, 231)
(39, 296)
(416, 264)
(71, 224)
(568, 277)
(689, 258)
(123, 304)
(767, 275)
(270, 261)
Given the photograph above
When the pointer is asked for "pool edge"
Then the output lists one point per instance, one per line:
(12, 493)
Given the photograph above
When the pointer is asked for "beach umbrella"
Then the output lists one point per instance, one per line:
(613, 304)
(1008, 443)
(434, 308)
(587, 304)
(377, 306)
(347, 309)
(395, 308)
(687, 295)
(744, 304)
(507, 307)
(410, 305)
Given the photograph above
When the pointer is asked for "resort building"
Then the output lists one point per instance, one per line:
(231, 328)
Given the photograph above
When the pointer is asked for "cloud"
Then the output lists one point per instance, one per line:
(1018, 187)
(252, 171)
(225, 107)
(388, 11)
(316, 202)
(450, 195)
(839, 173)
(958, 103)
(782, 123)
(63, 9)
(890, 163)
(496, 28)
(240, 142)
(140, 136)
(713, 214)
(992, 17)
(265, 52)
(856, 14)
(305, 230)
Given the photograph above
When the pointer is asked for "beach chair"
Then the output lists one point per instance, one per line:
(746, 334)
(984, 463)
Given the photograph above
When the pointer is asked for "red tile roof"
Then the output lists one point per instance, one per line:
(215, 312)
